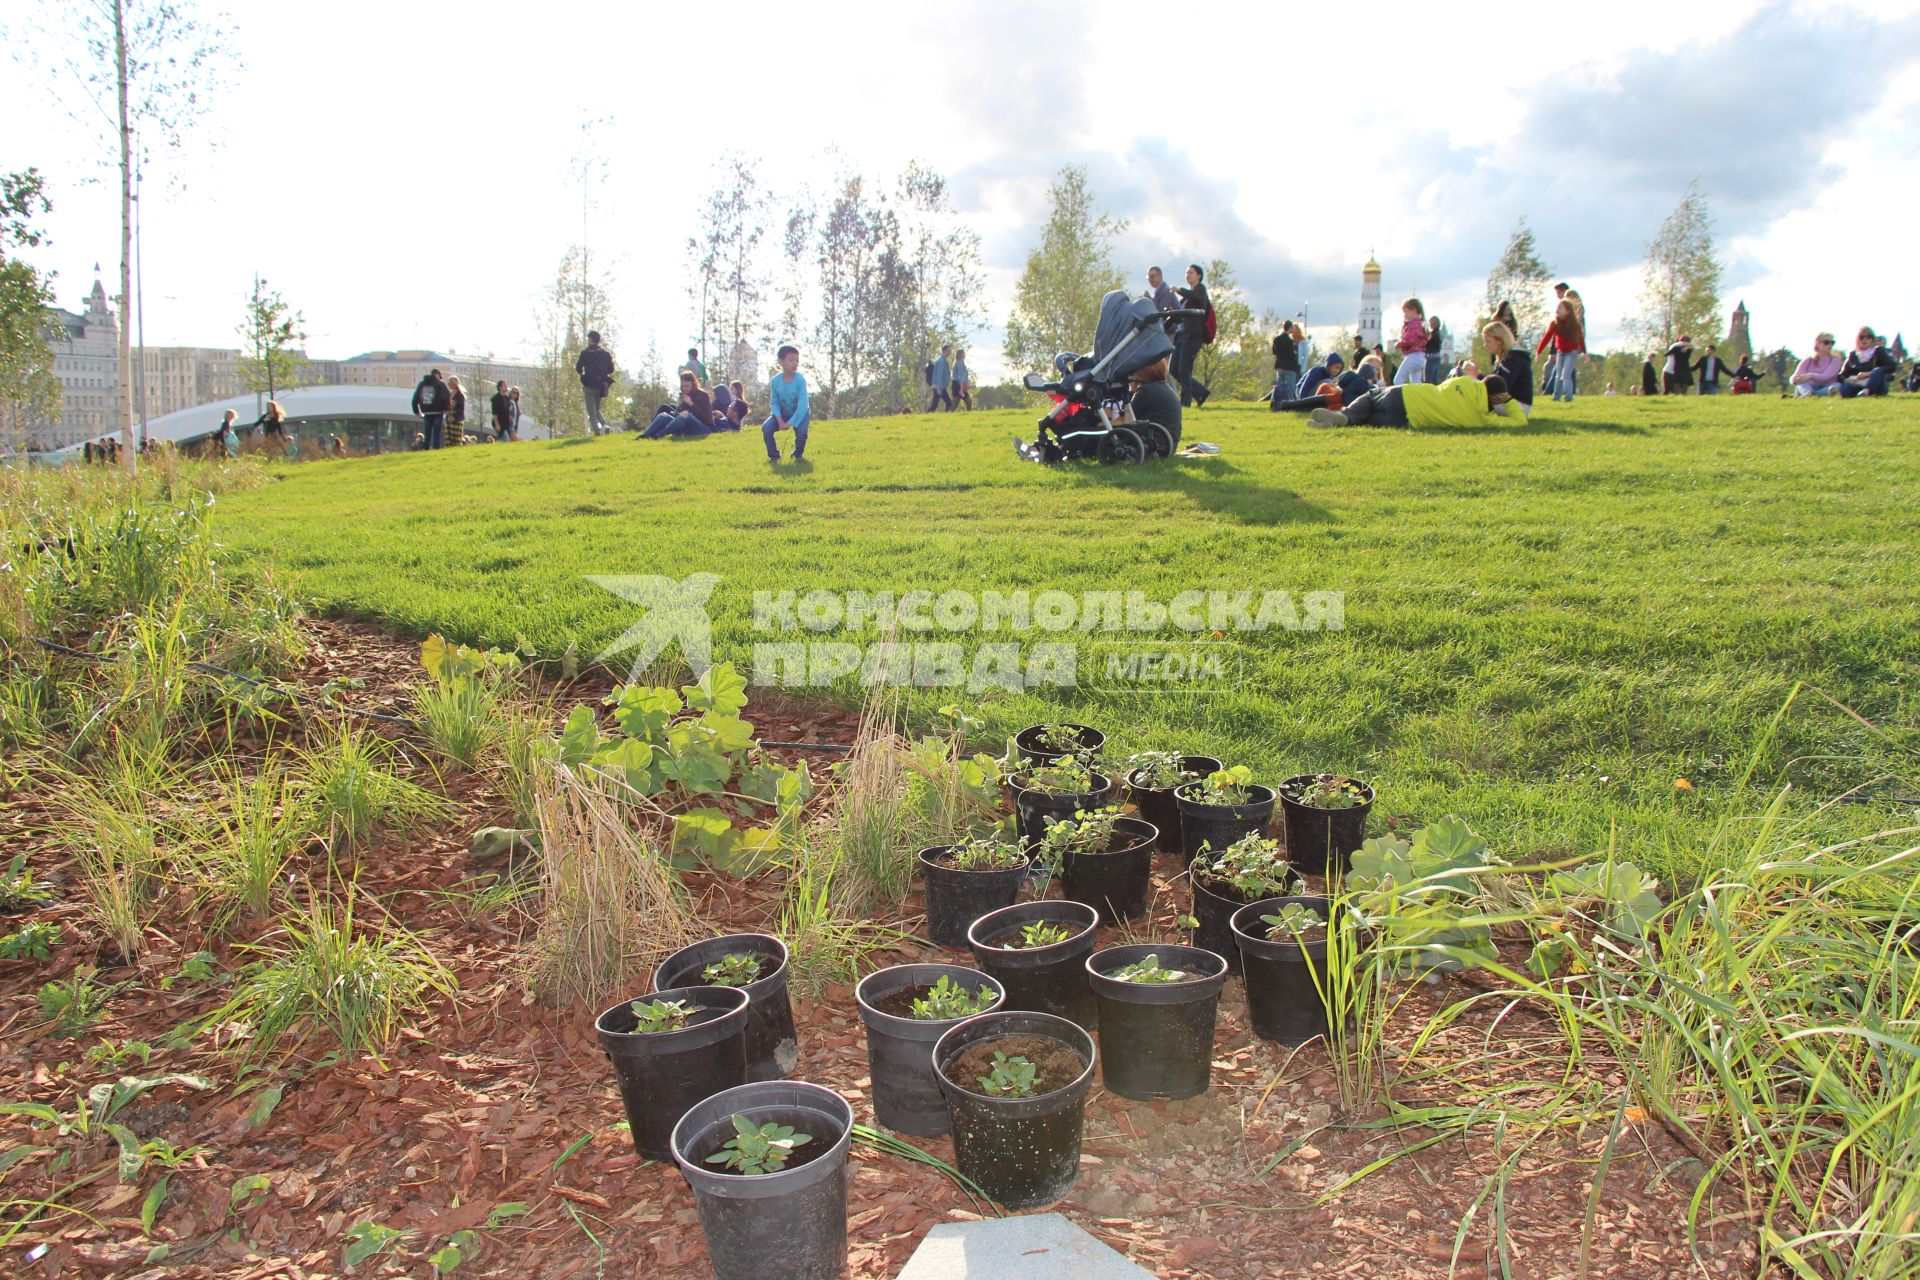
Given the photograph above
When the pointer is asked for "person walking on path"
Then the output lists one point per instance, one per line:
(962, 380)
(1286, 364)
(1160, 292)
(1568, 341)
(940, 381)
(1193, 335)
(456, 412)
(595, 367)
(430, 401)
(1457, 402)
(787, 396)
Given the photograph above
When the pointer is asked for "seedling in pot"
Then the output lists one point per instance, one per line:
(1329, 791)
(1041, 933)
(1148, 972)
(1061, 737)
(1068, 777)
(736, 969)
(1087, 831)
(1250, 869)
(661, 1015)
(759, 1148)
(947, 1000)
(1010, 1078)
(1226, 786)
(1159, 770)
(1294, 919)
(994, 851)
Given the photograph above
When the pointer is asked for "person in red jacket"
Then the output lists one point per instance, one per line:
(1568, 341)
(1412, 345)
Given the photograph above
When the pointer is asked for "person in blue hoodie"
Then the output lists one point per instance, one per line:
(787, 397)
(940, 380)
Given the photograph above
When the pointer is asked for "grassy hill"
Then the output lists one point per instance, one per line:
(1545, 627)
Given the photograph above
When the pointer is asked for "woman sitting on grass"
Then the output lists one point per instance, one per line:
(694, 417)
(1457, 402)
(1511, 364)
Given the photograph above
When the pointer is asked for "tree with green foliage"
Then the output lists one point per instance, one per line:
(1521, 278)
(1680, 289)
(1057, 300)
(268, 336)
(28, 389)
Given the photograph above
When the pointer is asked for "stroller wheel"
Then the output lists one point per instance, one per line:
(1124, 445)
(1158, 440)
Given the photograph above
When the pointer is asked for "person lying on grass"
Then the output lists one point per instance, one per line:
(1457, 402)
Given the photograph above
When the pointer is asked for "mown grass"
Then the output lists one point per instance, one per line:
(1545, 626)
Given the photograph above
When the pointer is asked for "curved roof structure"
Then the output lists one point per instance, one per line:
(303, 404)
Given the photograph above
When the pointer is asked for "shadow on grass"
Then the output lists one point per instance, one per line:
(1212, 483)
(1536, 427)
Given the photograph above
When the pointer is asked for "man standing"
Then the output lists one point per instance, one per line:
(1164, 298)
(693, 366)
(1710, 368)
(940, 379)
(431, 400)
(595, 367)
(502, 405)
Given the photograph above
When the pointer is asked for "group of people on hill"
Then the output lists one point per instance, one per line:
(701, 410)
(440, 402)
(949, 381)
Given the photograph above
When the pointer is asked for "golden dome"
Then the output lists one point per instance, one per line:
(1372, 268)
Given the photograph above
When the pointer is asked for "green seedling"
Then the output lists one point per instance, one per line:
(759, 1148)
(1226, 786)
(18, 891)
(1159, 770)
(993, 851)
(736, 969)
(1010, 1078)
(661, 1015)
(1295, 920)
(1249, 869)
(1069, 777)
(1087, 831)
(1330, 791)
(35, 941)
(75, 1004)
(947, 1000)
(1147, 970)
(1040, 933)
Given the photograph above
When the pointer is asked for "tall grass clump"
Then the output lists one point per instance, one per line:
(116, 832)
(611, 903)
(327, 978)
(868, 821)
(528, 748)
(355, 786)
(252, 838)
(458, 705)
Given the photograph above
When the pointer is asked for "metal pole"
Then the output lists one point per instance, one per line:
(140, 306)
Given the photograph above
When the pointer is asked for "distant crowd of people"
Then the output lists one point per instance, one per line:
(701, 409)
(440, 402)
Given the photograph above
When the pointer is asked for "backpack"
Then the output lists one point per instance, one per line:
(1213, 324)
(927, 373)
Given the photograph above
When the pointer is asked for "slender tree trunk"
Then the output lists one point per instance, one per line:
(123, 401)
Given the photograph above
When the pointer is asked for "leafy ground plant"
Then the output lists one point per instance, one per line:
(651, 1017)
(1040, 933)
(1296, 922)
(18, 889)
(1147, 972)
(1010, 1077)
(947, 1000)
(758, 1148)
(1088, 831)
(1251, 868)
(75, 1004)
(34, 941)
(1328, 791)
(1065, 778)
(736, 969)
(996, 850)
(1160, 770)
(1223, 786)
(1055, 736)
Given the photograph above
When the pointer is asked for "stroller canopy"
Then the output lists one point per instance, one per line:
(1120, 349)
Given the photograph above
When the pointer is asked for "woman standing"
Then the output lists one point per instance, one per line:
(271, 423)
(1192, 336)
(456, 412)
(1512, 363)
(1567, 338)
(962, 380)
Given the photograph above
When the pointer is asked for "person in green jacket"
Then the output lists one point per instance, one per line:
(1457, 402)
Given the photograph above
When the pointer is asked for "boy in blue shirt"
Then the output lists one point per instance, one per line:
(788, 393)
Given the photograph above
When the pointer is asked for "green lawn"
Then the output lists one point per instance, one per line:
(1545, 626)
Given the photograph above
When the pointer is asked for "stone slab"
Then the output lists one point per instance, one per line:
(1042, 1246)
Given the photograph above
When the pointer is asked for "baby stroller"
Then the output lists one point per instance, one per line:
(1130, 336)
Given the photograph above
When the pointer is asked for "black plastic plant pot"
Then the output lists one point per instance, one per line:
(1023, 1152)
(906, 1093)
(1114, 883)
(1219, 826)
(662, 1073)
(1050, 979)
(956, 898)
(1035, 809)
(773, 1049)
(1283, 998)
(791, 1224)
(1214, 932)
(1315, 837)
(1026, 743)
(1157, 805)
(1156, 1039)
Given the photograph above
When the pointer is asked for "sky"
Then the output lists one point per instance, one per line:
(410, 174)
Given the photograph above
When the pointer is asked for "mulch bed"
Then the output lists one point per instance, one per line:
(494, 1099)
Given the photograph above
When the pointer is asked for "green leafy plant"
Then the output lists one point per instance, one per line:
(1088, 831)
(736, 969)
(451, 1254)
(947, 1000)
(35, 941)
(1328, 791)
(994, 850)
(458, 706)
(94, 1118)
(652, 1016)
(111, 1057)
(1424, 892)
(1296, 921)
(1159, 770)
(1067, 777)
(1222, 786)
(1040, 933)
(200, 967)
(371, 1239)
(75, 1004)
(759, 1148)
(18, 890)
(1010, 1077)
(1625, 900)
(1062, 737)
(1147, 971)
(1251, 868)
